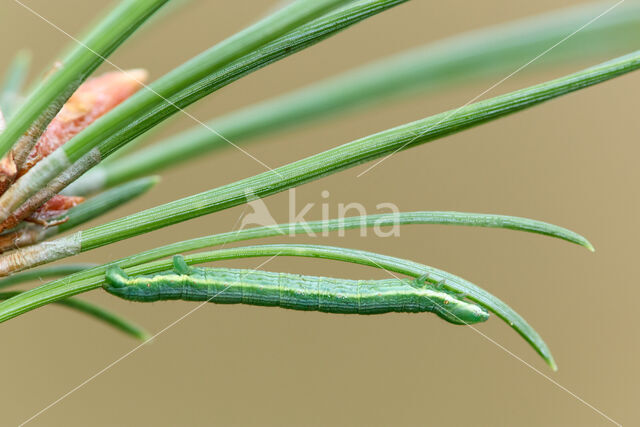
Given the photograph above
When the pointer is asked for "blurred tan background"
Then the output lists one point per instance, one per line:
(572, 162)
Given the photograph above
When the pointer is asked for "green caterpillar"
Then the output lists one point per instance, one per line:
(329, 295)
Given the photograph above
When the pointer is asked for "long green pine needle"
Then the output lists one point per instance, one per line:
(491, 52)
(96, 312)
(103, 203)
(15, 76)
(319, 165)
(43, 273)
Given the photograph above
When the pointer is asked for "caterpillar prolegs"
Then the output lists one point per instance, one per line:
(293, 291)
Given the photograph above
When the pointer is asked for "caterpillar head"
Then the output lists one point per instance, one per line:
(461, 312)
(116, 277)
(117, 282)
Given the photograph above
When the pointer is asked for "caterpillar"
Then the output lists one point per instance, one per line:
(293, 291)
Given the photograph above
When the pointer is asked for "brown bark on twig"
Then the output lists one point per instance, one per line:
(8, 172)
(21, 238)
